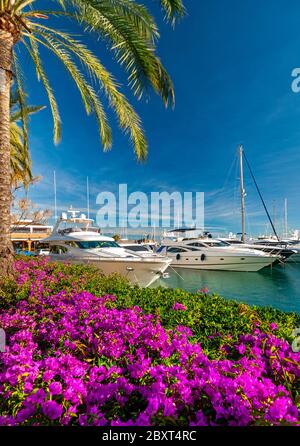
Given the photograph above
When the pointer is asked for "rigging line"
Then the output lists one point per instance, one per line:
(174, 270)
(249, 228)
(222, 193)
(247, 212)
(260, 195)
(229, 172)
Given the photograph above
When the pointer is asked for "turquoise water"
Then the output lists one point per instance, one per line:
(278, 287)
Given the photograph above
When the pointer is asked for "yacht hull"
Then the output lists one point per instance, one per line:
(295, 258)
(228, 263)
(143, 273)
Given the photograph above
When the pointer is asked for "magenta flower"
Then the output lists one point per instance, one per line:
(25, 414)
(52, 409)
(55, 388)
(101, 362)
(178, 307)
(241, 349)
(281, 409)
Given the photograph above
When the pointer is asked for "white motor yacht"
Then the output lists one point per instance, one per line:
(294, 246)
(287, 251)
(204, 252)
(291, 246)
(75, 240)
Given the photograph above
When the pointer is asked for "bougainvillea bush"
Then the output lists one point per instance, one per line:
(77, 358)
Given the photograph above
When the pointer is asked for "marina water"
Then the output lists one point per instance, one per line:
(278, 287)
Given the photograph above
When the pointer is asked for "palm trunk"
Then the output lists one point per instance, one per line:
(6, 253)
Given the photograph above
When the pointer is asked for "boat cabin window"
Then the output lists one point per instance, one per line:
(234, 242)
(176, 250)
(20, 229)
(216, 244)
(136, 248)
(270, 243)
(197, 244)
(40, 230)
(93, 244)
(56, 249)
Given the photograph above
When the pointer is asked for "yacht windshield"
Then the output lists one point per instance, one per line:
(93, 244)
(136, 248)
(217, 243)
(213, 243)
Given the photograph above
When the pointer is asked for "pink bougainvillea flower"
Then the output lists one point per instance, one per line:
(52, 409)
(179, 307)
(73, 358)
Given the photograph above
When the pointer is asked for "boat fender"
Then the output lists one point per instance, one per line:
(202, 257)
(178, 257)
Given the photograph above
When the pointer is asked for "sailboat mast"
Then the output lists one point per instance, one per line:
(242, 192)
(285, 218)
(88, 197)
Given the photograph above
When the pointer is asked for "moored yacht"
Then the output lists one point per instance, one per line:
(290, 249)
(286, 251)
(294, 246)
(281, 250)
(75, 240)
(204, 252)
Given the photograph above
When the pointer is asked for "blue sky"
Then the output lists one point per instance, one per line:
(231, 65)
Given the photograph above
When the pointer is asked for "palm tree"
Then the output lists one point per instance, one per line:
(130, 32)
(20, 162)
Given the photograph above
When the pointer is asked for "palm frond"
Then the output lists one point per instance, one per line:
(20, 97)
(29, 110)
(33, 50)
(19, 157)
(136, 14)
(128, 119)
(88, 95)
(130, 47)
(174, 10)
(129, 31)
